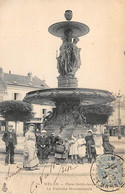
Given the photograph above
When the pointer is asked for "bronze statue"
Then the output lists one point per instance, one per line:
(69, 61)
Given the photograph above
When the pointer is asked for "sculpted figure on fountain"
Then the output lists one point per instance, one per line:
(69, 61)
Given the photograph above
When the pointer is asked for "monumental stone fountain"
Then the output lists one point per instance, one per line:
(68, 99)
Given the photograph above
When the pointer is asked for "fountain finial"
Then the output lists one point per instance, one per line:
(68, 14)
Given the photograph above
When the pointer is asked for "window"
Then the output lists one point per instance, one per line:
(44, 111)
(16, 96)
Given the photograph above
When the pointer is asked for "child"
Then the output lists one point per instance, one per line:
(98, 142)
(81, 148)
(59, 149)
(73, 150)
(66, 152)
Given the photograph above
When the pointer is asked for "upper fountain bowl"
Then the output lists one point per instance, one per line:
(78, 29)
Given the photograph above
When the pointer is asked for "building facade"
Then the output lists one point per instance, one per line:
(116, 122)
(15, 87)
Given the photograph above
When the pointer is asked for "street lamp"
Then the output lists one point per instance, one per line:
(119, 119)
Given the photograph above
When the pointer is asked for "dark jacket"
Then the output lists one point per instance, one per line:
(9, 137)
(52, 140)
(90, 139)
(43, 141)
(90, 143)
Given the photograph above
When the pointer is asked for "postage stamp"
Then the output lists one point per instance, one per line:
(107, 172)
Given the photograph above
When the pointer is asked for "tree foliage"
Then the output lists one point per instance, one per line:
(16, 110)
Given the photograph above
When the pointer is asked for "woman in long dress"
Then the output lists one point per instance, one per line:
(81, 148)
(98, 142)
(30, 156)
(73, 150)
(108, 148)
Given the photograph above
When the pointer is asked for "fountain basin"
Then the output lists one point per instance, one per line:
(84, 96)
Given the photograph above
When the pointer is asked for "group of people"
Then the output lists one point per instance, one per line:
(39, 147)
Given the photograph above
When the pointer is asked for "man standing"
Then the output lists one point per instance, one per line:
(10, 139)
(43, 146)
(37, 133)
(52, 140)
(90, 145)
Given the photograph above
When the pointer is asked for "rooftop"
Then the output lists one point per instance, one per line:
(21, 80)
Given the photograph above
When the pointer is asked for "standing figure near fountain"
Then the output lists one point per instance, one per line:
(37, 133)
(73, 150)
(81, 148)
(30, 157)
(44, 146)
(90, 144)
(59, 149)
(10, 139)
(52, 141)
(108, 148)
(98, 142)
(66, 152)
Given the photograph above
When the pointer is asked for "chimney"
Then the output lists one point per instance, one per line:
(1, 72)
(30, 76)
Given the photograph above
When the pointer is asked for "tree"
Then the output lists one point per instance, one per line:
(13, 110)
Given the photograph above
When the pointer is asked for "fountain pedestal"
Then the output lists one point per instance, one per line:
(67, 82)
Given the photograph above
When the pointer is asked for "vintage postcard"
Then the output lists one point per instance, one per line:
(62, 96)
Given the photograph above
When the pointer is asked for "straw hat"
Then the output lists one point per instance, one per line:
(43, 131)
(90, 131)
(31, 124)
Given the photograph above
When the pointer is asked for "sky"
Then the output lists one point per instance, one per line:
(27, 46)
